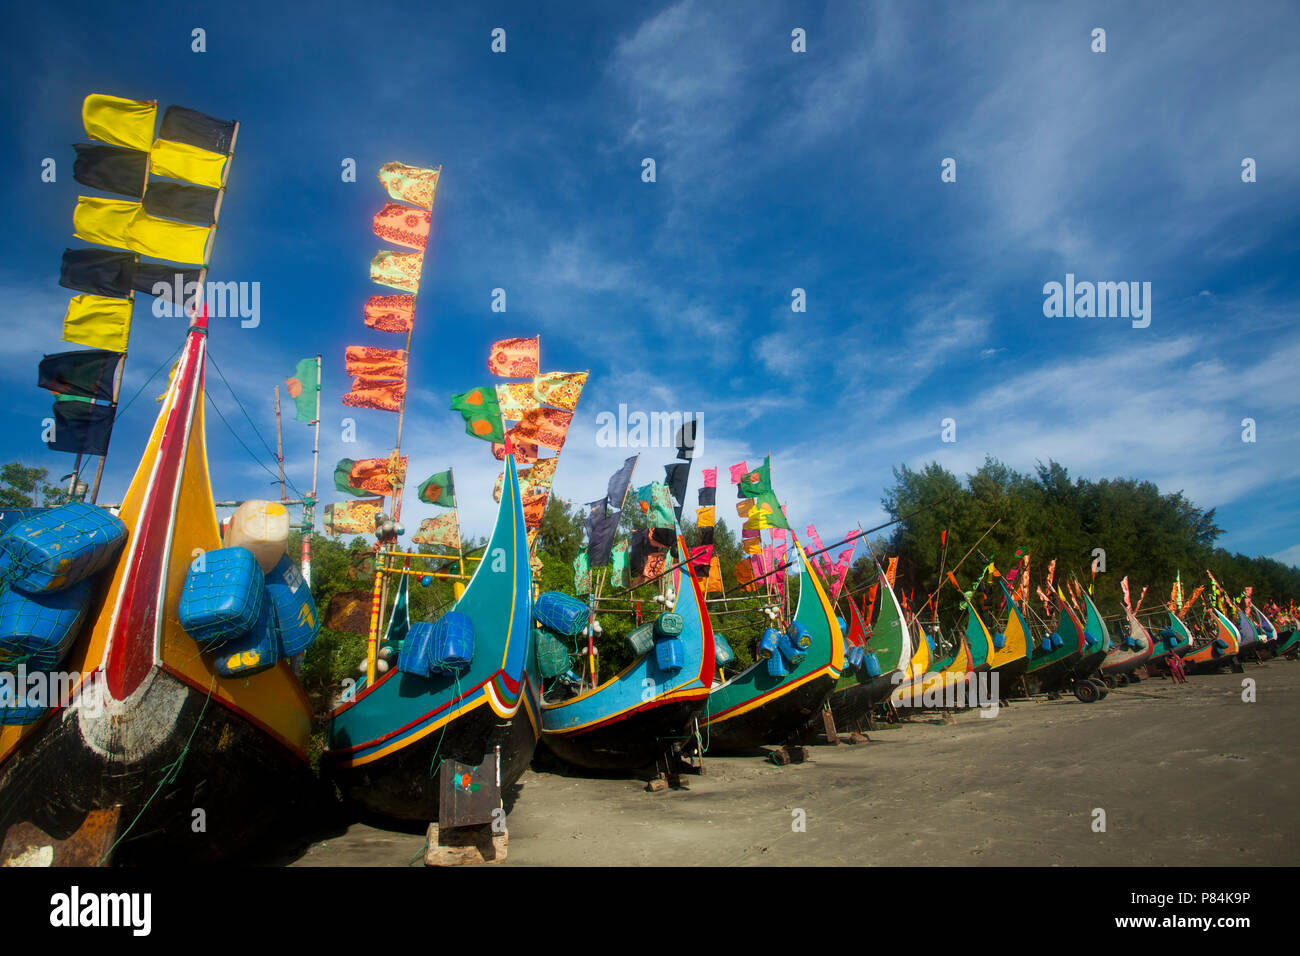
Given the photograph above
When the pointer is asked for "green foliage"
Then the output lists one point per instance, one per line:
(1147, 535)
(23, 487)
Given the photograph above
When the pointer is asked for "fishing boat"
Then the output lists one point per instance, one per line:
(886, 652)
(1173, 639)
(1218, 649)
(1096, 637)
(648, 709)
(933, 681)
(1055, 656)
(755, 706)
(389, 739)
(1007, 655)
(156, 756)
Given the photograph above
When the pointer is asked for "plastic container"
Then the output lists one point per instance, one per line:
(844, 625)
(263, 528)
(668, 624)
(769, 644)
(552, 653)
(1089, 639)
(870, 663)
(640, 640)
(799, 635)
(414, 658)
(295, 610)
(1057, 641)
(722, 652)
(670, 654)
(776, 666)
(793, 655)
(222, 597)
(451, 649)
(253, 652)
(11, 516)
(57, 547)
(999, 640)
(38, 629)
(560, 612)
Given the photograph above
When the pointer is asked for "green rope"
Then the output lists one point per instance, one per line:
(170, 772)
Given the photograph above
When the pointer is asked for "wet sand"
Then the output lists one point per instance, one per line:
(1188, 775)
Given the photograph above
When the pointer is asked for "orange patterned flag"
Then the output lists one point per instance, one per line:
(352, 517)
(532, 480)
(514, 358)
(546, 427)
(525, 454)
(383, 395)
(534, 508)
(515, 398)
(390, 313)
(368, 361)
(403, 226)
(560, 389)
(377, 475)
(410, 183)
(442, 531)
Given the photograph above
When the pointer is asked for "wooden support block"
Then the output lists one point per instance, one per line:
(780, 756)
(798, 754)
(657, 785)
(828, 723)
(464, 846)
(857, 738)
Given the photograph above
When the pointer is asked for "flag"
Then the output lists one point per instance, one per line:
(745, 576)
(773, 514)
(368, 361)
(515, 398)
(891, 572)
(97, 271)
(197, 204)
(149, 274)
(303, 387)
(104, 221)
(86, 374)
(540, 477)
(410, 183)
(706, 517)
(546, 427)
(581, 574)
(534, 509)
(602, 525)
(343, 478)
(655, 504)
(1123, 586)
(390, 313)
(560, 389)
(403, 226)
(841, 570)
(378, 476)
(708, 494)
(98, 322)
(751, 542)
(738, 471)
(122, 122)
(525, 454)
(514, 358)
(442, 531)
(759, 481)
(110, 168)
(81, 427)
(713, 582)
(616, 487)
(686, 440)
(383, 395)
(618, 560)
(397, 270)
(181, 125)
(164, 239)
(676, 476)
(352, 517)
(188, 163)
(399, 624)
(481, 412)
(438, 490)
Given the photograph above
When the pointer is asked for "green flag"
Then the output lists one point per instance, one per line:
(618, 562)
(342, 473)
(776, 517)
(581, 574)
(656, 505)
(481, 412)
(303, 388)
(438, 490)
(399, 625)
(758, 482)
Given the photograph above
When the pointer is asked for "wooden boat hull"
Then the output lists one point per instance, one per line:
(405, 784)
(775, 722)
(386, 743)
(852, 703)
(633, 740)
(1055, 675)
(613, 726)
(200, 756)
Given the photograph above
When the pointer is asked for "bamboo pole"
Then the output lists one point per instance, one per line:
(279, 444)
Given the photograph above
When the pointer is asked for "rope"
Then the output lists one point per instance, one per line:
(296, 490)
(121, 410)
(251, 454)
(170, 772)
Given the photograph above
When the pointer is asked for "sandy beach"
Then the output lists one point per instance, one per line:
(1188, 775)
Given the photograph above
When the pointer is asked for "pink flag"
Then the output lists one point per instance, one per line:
(1123, 586)
(710, 477)
(841, 570)
(822, 559)
(738, 471)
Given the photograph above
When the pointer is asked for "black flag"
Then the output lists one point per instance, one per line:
(616, 490)
(85, 374)
(98, 271)
(686, 440)
(81, 427)
(181, 125)
(197, 204)
(602, 525)
(110, 168)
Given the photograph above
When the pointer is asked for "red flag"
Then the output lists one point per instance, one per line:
(514, 358)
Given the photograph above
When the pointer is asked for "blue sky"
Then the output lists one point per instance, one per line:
(775, 171)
